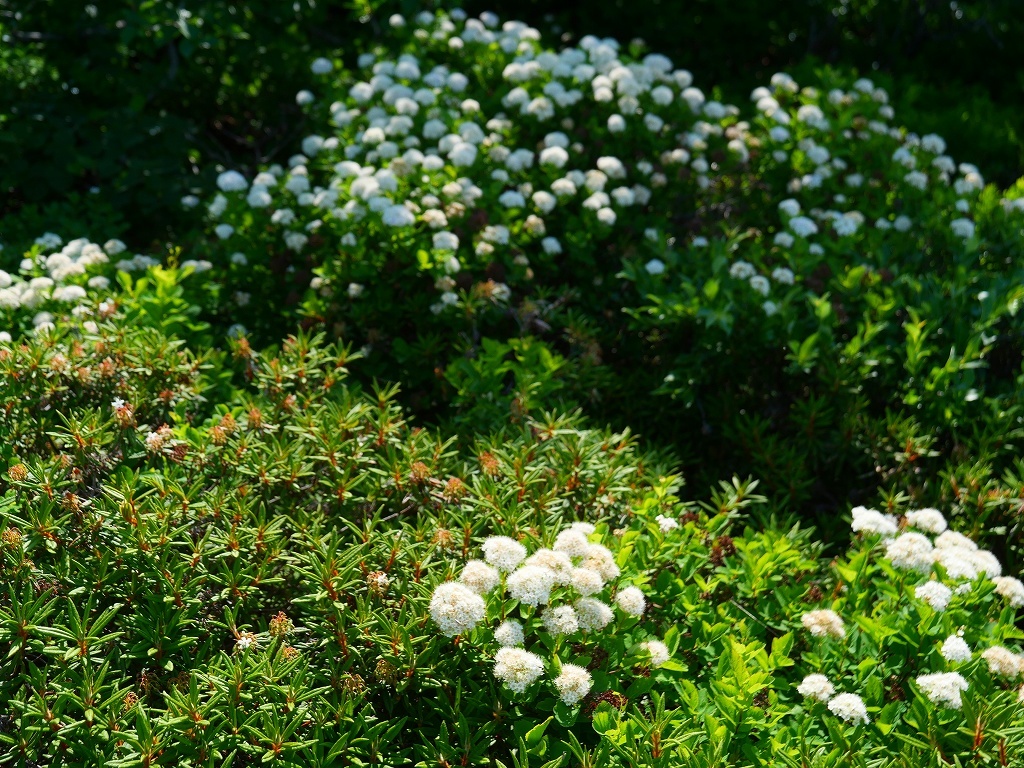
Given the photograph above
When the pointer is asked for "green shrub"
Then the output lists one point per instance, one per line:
(245, 559)
(866, 276)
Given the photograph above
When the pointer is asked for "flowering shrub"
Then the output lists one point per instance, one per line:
(217, 551)
(468, 182)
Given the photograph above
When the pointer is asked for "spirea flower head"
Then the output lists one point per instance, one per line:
(573, 684)
(586, 581)
(954, 540)
(849, 707)
(517, 669)
(479, 576)
(911, 552)
(666, 524)
(599, 558)
(658, 651)
(531, 585)
(321, 66)
(631, 600)
(943, 688)
(872, 521)
(231, 181)
(928, 520)
(816, 687)
(503, 553)
(509, 634)
(1004, 662)
(935, 593)
(572, 542)
(1010, 588)
(592, 614)
(824, 623)
(955, 649)
(456, 608)
(561, 620)
(559, 563)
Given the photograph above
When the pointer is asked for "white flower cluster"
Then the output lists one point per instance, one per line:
(943, 688)
(960, 562)
(824, 623)
(847, 706)
(473, 129)
(960, 559)
(60, 280)
(558, 589)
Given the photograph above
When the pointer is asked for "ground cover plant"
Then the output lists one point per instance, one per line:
(349, 476)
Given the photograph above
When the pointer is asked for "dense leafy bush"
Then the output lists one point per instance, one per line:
(868, 275)
(281, 568)
(397, 538)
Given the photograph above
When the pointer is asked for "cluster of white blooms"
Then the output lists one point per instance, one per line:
(517, 668)
(911, 552)
(956, 649)
(824, 623)
(849, 707)
(1004, 662)
(960, 559)
(935, 593)
(873, 521)
(456, 608)
(928, 520)
(573, 683)
(60, 281)
(1010, 588)
(816, 687)
(418, 146)
(557, 590)
(943, 688)
(658, 650)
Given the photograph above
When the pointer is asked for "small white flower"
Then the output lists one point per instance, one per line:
(456, 608)
(928, 520)
(599, 558)
(572, 542)
(824, 623)
(849, 707)
(531, 585)
(1003, 662)
(1010, 588)
(666, 524)
(503, 553)
(573, 684)
(509, 634)
(551, 246)
(963, 227)
(911, 552)
(479, 576)
(631, 601)
(321, 66)
(658, 651)
(943, 688)
(231, 181)
(816, 687)
(586, 581)
(517, 669)
(955, 649)
(935, 593)
(561, 620)
(592, 614)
